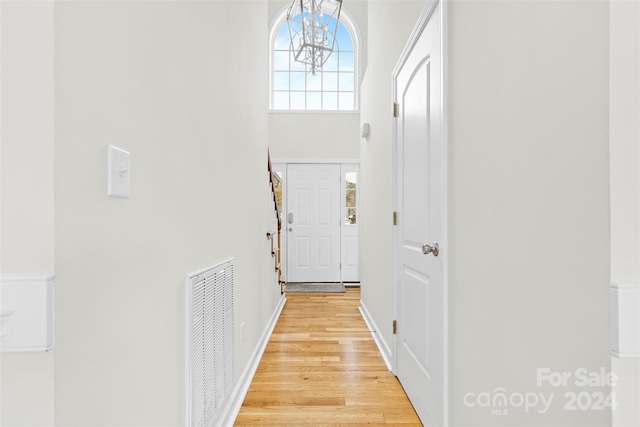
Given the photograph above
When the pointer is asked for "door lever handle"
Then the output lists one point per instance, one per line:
(431, 249)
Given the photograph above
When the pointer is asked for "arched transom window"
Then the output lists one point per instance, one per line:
(294, 87)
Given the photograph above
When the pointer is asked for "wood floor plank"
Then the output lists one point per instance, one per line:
(321, 368)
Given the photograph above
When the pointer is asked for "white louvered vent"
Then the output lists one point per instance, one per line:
(210, 344)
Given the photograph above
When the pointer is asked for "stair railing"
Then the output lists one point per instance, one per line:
(275, 236)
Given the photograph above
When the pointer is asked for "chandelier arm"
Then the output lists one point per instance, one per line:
(312, 40)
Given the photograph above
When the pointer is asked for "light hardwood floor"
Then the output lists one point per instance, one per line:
(321, 367)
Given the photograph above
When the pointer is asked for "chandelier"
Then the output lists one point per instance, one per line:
(312, 28)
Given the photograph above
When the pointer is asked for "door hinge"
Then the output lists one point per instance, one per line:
(396, 108)
(395, 326)
(395, 218)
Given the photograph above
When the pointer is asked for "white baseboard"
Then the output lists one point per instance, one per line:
(384, 348)
(234, 403)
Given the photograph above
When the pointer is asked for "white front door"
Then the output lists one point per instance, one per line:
(420, 339)
(313, 222)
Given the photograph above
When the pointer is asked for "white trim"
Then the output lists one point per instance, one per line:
(336, 112)
(315, 161)
(428, 10)
(625, 319)
(229, 413)
(445, 201)
(394, 207)
(383, 347)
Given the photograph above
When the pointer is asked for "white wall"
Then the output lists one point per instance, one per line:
(27, 244)
(528, 197)
(163, 81)
(393, 22)
(314, 135)
(627, 370)
(27, 149)
(625, 134)
(625, 188)
(528, 192)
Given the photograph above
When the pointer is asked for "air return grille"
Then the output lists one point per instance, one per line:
(210, 343)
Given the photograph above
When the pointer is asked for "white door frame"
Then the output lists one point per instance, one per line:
(444, 253)
(280, 165)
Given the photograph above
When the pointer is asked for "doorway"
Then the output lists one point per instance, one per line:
(321, 221)
(420, 340)
(312, 223)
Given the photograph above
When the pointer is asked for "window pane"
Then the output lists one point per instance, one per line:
(346, 101)
(278, 184)
(344, 38)
(329, 101)
(297, 81)
(281, 60)
(314, 100)
(297, 66)
(330, 81)
(351, 216)
(297, 100)
(282, 40)
(281, 100)
(351, 178)
(346, 61)
(345, 82)
(350, 201)
(330, 23)
(314, 82)
(351, 183)
(331, 64)
(281, 80)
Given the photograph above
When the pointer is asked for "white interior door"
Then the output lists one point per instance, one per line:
(420, 339)
(313, 222)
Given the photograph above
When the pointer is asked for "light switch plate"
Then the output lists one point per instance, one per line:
(119, 173)
(365, 130)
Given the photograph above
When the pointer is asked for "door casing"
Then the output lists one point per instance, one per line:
(347, 165)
